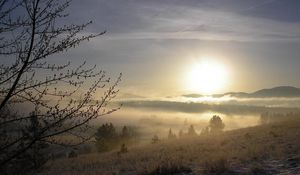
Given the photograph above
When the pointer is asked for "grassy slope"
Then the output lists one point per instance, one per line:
(264, 149)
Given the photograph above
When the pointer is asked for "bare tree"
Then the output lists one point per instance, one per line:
(30, 35)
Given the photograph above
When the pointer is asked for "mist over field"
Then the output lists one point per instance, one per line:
(158, 115)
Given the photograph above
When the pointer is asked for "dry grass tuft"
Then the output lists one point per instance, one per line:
(258, 169)
(216, 166)
(169, 168)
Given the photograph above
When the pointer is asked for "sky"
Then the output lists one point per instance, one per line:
(156, 43)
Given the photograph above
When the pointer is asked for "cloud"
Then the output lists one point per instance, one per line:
(192, 95)
(189, 20)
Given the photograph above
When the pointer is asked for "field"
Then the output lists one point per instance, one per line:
(266, 149)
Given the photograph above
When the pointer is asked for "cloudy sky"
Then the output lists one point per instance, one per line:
(155, 43)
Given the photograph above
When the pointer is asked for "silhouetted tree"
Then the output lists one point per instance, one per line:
(191, 131)
(216, 124)
(125, 132)
(29, 36)
(35, 155)
(180, 134)
(106, 131)
(171, 135)
(106, 137)
(123, 149)
(205, 131)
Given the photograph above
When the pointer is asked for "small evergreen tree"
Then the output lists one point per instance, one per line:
(106, 137)
(204, 131)
(180, 134)
(125, 132)
(191, 131)
(34, 157)
(216, 124)
(124, 148)
(171, 135)
(106, 131)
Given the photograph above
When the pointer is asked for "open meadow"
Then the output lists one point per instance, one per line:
(266, 149)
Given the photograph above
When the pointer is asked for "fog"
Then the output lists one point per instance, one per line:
(158, 115)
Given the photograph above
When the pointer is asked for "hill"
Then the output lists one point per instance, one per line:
(280, 91)
(265, 149)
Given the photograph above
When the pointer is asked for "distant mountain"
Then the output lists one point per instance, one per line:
(280, 91)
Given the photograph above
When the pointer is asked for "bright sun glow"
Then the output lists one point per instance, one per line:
(207, 77)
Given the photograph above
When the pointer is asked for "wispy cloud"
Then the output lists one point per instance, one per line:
(158, 20)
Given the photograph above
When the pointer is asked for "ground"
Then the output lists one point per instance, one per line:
(267, 149)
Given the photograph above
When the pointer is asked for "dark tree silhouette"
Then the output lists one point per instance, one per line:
(204, 131)
(171, 135)
(191, 131)
(30, 35)
(180, 134)
(216, 124)
(106, 137)
(123, 149)
(125, 132)
(106, 131)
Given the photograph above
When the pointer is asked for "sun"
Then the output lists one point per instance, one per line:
(207, 77)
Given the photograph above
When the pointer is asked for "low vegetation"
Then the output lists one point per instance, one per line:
(266, 149)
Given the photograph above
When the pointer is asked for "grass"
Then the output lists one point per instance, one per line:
(229, 152)
(216, 166)
(258, 169)
(169, 168)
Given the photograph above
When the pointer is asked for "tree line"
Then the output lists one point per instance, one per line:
(216, 125)
(107, 138)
